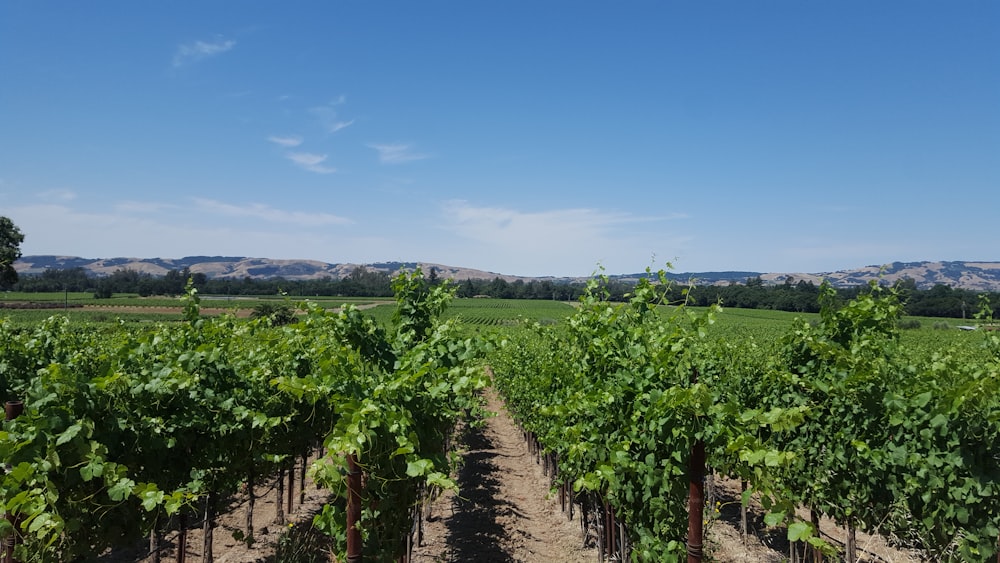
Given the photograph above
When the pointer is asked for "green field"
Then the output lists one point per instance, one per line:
(83, 307)
(473, 313)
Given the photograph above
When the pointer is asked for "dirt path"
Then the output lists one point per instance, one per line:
(503, 511)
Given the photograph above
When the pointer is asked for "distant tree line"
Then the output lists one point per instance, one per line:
(360, 283)
(796, 296)
(803, 297)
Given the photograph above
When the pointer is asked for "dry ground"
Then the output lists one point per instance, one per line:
(505, 513)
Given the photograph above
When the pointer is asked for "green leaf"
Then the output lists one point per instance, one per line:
(962, 515)
(418, 467)
(121, 489)
(174, 503)
(151, 499)
(22, 472)
(774, 518)
(438, 479)
(69, 434)
(799, 531)
(39, 522)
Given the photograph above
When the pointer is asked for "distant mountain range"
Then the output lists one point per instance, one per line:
(979, 276)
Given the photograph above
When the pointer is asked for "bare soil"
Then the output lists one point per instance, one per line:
(225, 547)
(764, 543)
(504, 512)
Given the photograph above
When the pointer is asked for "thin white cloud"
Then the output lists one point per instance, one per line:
(559, 239)
(328, 116)
(57, 195)
(143, 207)
(286, 141)
(195, 51)
(269, 214)
(256, 231)
(493, 224)
(311, 161)
(334, 127)
(396, 153)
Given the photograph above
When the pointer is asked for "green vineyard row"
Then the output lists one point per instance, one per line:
(838, 414)
(125, 428)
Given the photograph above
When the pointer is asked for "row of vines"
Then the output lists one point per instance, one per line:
(126, 432)
(834, 417)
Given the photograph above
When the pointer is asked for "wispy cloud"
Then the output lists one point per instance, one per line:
(286, 141)
(329, 117)
(269, 214)
(198, 50)
(566, 239)
(210, 227)
(57, 195)
(499, 224)
(311, 161)
(143, 207)
(396, 153)
(337, 126)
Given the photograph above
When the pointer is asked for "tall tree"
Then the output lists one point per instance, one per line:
(10, 250)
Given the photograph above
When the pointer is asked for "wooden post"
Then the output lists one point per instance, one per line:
(291, 485)
(354, 546)
(602, 535)
(182, 539)
(609, 526)
(302, 477)
(817, 555)
(744, 528)
(251, 500)
(280, 501)
(207, 528)
(852, 543)
(154, 540)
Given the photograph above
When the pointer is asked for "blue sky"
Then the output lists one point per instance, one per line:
(528, 138)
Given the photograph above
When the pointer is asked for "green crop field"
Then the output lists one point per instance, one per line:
(507, 312)
(731, 323)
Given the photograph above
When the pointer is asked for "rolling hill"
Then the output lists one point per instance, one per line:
(979, 276)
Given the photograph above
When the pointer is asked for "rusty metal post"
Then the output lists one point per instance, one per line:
(696, 503)
(354, 546)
